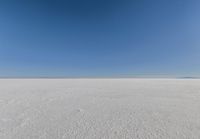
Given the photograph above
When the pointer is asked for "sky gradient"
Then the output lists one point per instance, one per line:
(99, 38)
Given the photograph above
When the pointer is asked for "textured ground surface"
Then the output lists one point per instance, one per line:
(99, 109)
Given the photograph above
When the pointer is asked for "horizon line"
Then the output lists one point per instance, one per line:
(98, 77)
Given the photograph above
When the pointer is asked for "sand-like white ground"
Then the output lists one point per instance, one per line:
(99, 109)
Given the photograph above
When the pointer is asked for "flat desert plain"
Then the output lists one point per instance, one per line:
(99, 109)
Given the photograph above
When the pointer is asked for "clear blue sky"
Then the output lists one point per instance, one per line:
(80, 38)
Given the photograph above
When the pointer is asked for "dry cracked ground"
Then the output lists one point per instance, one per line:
(99, 109)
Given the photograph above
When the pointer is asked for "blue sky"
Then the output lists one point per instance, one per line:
(99, 38)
